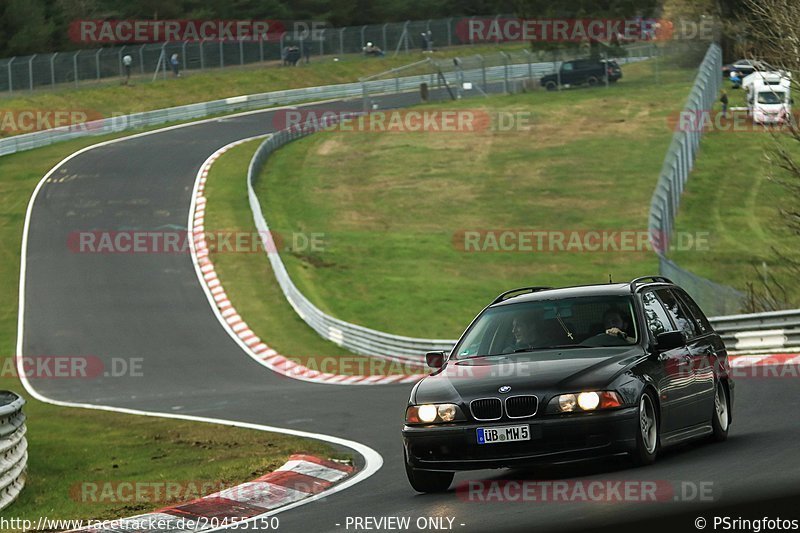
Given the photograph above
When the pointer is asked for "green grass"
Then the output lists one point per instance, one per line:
(732, 195)
(247, 277)
(390, 204)
(109, 98)
(71, 446)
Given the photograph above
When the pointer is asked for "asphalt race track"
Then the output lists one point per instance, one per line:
(151, 306)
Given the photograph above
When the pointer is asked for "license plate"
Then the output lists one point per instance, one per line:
(503, 434)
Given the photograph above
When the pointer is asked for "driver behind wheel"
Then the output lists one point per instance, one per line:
(615, 325)
(524, 331)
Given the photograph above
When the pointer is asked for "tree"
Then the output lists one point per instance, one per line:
(29, 29)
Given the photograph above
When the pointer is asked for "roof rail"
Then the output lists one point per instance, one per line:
(502, 297)
(644, 279)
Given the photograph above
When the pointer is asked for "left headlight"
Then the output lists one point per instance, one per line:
(433, 413)
(584, 401)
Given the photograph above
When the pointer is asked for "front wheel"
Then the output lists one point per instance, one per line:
(720, 421)
(647, 431)
(592, 81)
(551, 86)
(428, 480)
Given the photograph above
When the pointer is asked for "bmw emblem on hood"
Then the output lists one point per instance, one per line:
(504, 389)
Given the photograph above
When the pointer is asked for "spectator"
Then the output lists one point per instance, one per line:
(127, 61)
(372, 50)
(736, 80)
(173, 61)
(293, 55)
(724, 100)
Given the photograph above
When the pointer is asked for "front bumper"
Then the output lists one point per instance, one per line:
(553, 439)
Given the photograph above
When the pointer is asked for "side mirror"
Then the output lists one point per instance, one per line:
(669, 340)
(435, 359)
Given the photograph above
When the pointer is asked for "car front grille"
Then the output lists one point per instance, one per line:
(486, 408)
(521, 406)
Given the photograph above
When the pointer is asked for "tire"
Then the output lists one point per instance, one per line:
(647, 434)
(428, 481)
(592, 81)
(551, 86)
(720, 419)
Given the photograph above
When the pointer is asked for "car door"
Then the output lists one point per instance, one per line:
(674, 372)
(700, 393)
(710, 354)
(568, 73)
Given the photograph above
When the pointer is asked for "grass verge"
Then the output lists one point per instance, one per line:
(71, 446)
(733, 195)
(392, 207)
(110, 97)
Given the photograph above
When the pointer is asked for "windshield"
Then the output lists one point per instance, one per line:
(583, 322)
(771, 97)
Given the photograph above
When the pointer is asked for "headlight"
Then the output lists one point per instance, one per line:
(588, 400)
(433, 413)
(584, 401)
(566, 402)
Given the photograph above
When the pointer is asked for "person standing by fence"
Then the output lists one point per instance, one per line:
(127, 61)
(724, 100)
(173, 60)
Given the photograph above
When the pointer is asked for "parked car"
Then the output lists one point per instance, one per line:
(744, 67)
(582, 72)
(550, 375)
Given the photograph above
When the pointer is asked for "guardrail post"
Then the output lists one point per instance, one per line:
(261, 48)
(202, 55)
(30, 71)
(322, 42)
(449, 32)
(529, 56)
(221, 55)
(241, 52)
(183, 54)
(383, 31)
(363, 30)
(75, 66)
(141, 58)
(53, 68)
(505, 57)
(10, 76)
(405, 33)
(341, 41)
(97, 61)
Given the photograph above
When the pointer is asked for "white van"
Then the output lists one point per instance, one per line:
(768, 96)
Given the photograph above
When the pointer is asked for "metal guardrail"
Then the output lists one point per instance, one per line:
(360, 339)
(760, 332)
(200, 110)
(678, 163)
(13, 447)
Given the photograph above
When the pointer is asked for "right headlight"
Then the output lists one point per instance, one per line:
(584, 401)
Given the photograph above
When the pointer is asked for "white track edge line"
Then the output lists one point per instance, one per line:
(372, 459)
